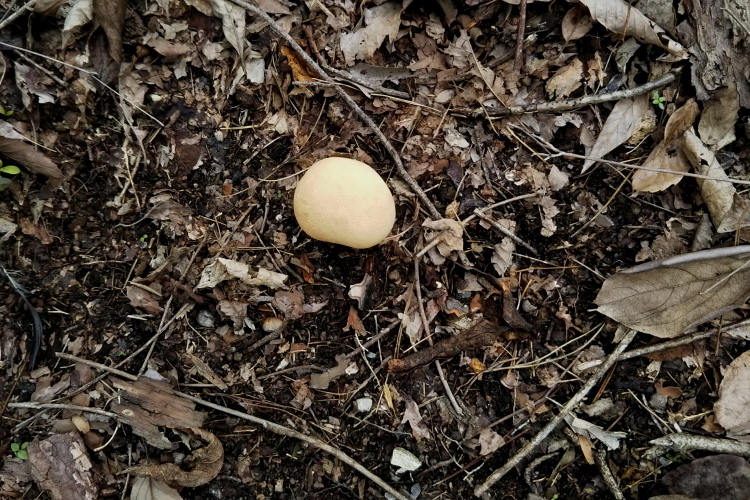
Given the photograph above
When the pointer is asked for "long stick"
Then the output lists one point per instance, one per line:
(286, 431)
(558, 419)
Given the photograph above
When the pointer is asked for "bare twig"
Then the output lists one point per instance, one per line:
(567, 105)
(518, 63)
(27, 6)
(57, 406)
(505, 231)
(600, 456)
(350, 102)
(286, 431)
(423, 315)
(559, 418)
(96, 365)
(689, 442)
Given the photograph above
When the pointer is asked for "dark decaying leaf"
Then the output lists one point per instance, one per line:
(664, 297)
(110, 15)
(717, 477)
(27, 156)
(204, 463)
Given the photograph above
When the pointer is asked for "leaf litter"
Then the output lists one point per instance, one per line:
(164, 213)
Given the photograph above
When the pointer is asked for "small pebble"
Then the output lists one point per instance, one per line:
(363, 404)
(205, 319)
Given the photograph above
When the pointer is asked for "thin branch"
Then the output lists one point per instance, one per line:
(27, 6)
(567, 105)
(518, 63)
(504, 231)
(286, 431)
(57, 406)
(96, 365)
(350, 102)
(559, 418)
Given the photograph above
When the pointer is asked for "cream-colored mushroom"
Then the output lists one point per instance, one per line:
(344, 201)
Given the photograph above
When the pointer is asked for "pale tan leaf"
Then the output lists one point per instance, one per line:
(489, 441)
(664, 297)
(734, 398)
(614, 14)
(110, 15)
(576, 23)
(728, 210)
(411, 414)
(566, 80)
(668, 154)
(625, 118)
(720, 113)
(81, 13)
(233, 24)
(381, 22)
(451, 235)
(25, 155)
(148, 488)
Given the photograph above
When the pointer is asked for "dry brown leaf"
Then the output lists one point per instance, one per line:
(614, 14)
(204, 463)
(234, 310)
(668, 154)
(143, 299)
(148, 488)
(80, 14)
(233, 24)
(566, 80)
(729, 212)
(28, 227)
(224, 269)
(299, 68)
(664, 297)
(411, 414)
(110, 15)
(625, 118)
(206, 371)
(291, 304)
(353, 322)
(323, 380)
(381, 22)
(451, 235)
(489, 441)
(720, 113)
(27, 156)
(734, 399)
(576, 23)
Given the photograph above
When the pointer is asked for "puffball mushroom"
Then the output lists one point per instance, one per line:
(344, 201)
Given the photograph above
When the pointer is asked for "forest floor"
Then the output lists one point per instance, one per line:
(194, 342)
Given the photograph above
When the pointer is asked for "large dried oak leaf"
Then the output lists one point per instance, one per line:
(664, 297)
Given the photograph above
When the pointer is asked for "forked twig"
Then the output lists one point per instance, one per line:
(350, 102)
(559, 418)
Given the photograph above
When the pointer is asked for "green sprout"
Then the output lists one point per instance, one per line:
(5, 112)
(143, 238)
(9, 170)
(658, 100)
(20, 450)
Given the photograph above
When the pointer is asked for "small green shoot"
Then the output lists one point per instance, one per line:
(143, 238)
(658, 100)
(9, 170)
(19, 450)
(5, 112)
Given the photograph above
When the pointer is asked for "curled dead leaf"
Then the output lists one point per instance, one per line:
(204, 463)
(27, 156)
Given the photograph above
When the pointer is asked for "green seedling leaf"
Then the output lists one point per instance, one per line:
(14, 447)
(10, 170)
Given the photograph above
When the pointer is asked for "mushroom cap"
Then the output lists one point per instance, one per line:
(344, 201)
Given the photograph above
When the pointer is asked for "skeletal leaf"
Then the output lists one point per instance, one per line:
(624, 119)
(664, 297)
